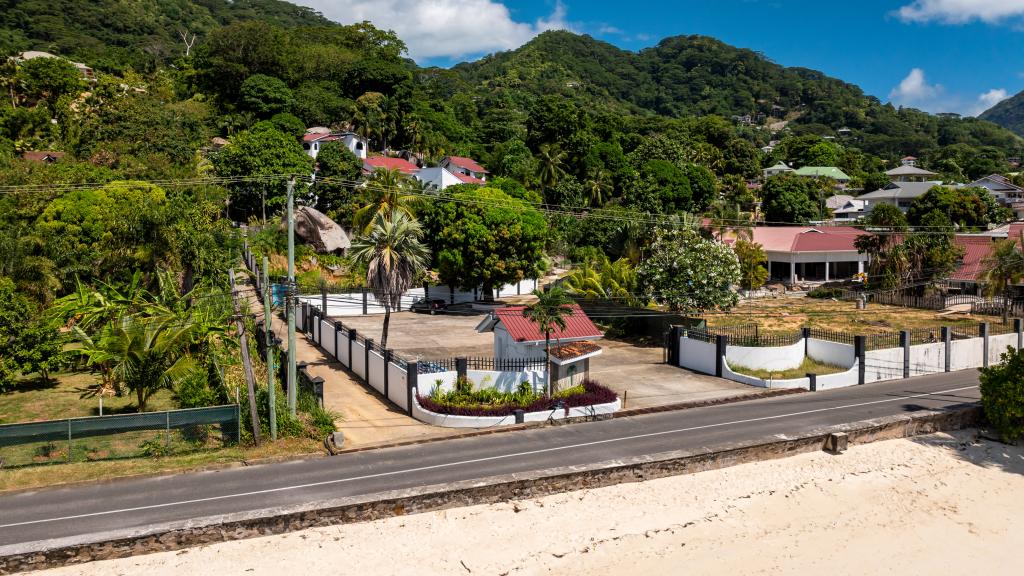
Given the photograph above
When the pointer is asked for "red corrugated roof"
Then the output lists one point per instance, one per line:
(807, 239)
(375, 162)
(976, 249)
(467, 163)
(466, 178)
(577, 325)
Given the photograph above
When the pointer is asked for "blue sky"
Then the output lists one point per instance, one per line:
(938, 55)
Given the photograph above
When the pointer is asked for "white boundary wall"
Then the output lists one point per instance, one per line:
(425, 383)
(886, 364)
(927, 358)
(359, 359)
(351, 303)
(376, 372)
(775, 358)
(697, 355)
(398, 386)
(506, 381)
(327, 338)
(998, 344)
(832, 353)
(966, 353)
(449, 421)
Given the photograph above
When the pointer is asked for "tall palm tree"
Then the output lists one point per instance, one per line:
(549, 313)
(394, 257)
(1004, 268)
(598, 187)
(386, 191)
(551, 168)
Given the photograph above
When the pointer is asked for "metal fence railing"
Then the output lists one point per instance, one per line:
(831, 335)
(882, 341)
(436, 366)
(118, 436)
(505, 364)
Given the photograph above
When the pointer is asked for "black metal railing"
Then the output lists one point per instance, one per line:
(505, 364)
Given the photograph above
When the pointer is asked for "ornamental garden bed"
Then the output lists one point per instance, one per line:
(464, 400)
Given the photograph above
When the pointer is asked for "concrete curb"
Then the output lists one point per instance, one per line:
(173, 536)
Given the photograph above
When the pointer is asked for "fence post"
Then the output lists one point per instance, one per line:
(675, 336)
(69, 439)
(805, 333)
(947, 339)
(351, 339)
(367, 344)
(462, 366)
(721, 346)
(364, 302)
(984, 334)
(859, 350)
(1018, 327)
(905, 344)
(167, 430)
(412, 372)
(323, 300)
(813, 382)
(387, 364)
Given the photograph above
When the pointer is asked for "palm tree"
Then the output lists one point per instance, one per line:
(394, 257)
(387, 190)
(145, 354)
(549, 313)
(598, 186)
(550, 165)
(1004, 268)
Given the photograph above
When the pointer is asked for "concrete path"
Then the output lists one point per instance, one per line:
(367, 419)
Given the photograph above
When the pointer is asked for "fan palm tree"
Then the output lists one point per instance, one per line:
(551, 168)
(549, 313)
(394, 257)
(387, 190)
(1004, 268)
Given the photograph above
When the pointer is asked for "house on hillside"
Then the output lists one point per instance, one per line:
(968, 278)
(779, 168)
(317, 137)
(808, 254)
(1005, 192)
(44, 156)
(908, 161)
(824, 172)
(898, 194)
(845, 208)
(438, 178)
(465, 166)
(517, 337)
(374, 163)
(84, 70)
(910, 173)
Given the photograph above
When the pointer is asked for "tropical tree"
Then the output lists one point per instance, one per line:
(1004, 267)
(688, 272)
(388, 190)
(603, 279)
(752, 259)
(548, 313)
(550, 165)
(598, 187)
(394, 259)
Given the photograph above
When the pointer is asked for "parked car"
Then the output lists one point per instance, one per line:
(429, 305)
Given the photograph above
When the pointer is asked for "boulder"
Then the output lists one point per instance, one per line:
(319, 231)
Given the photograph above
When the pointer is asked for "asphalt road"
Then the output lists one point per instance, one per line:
(137, 503)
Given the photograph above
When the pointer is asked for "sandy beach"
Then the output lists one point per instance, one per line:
(941, 504)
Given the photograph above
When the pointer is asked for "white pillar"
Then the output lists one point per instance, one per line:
(860, 266)
(826, 268)
(792, 271)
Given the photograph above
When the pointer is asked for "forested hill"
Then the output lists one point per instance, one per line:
(115, 35)
(696, 75)
(1009, 113)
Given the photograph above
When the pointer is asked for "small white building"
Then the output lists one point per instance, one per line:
(317, 137)
(517, 337)
(465, 166)
(779, 168)
(439, 178)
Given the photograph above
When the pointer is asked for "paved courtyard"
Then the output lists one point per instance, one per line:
(638, 373)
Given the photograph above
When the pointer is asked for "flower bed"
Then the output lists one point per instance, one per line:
(464, 402)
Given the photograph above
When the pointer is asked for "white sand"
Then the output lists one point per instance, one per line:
(938, 504)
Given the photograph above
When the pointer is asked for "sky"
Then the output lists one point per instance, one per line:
(937, 55)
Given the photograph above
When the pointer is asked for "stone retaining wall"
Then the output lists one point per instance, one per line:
(534, 484)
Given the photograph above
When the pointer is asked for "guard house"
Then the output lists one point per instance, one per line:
(517, 337)
(808, 254)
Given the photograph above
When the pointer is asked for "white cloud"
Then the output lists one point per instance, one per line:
(961, 11)
(444, 28)
(915, 89)
(989, 99)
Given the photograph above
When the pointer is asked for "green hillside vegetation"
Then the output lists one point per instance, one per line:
(1009, 114)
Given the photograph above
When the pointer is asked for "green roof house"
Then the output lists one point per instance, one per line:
(824, 172)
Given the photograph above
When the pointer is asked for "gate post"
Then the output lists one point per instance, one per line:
(387, 364)
(984, 334)
(461, 366)
(947, 340)
(859, 350)
(813, 378)
(721, 346)
(905, 344)
(411, 377)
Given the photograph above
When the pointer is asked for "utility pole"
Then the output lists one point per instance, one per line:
(250, 378)
(268, 327)
(292, 301)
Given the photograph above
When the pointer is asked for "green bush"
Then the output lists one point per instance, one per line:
(1002, 394)
(823, 292)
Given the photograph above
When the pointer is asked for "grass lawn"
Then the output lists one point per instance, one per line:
(810, 366)
(32, 400)
(778, 315)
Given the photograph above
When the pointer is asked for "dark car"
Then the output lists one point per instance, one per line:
(431, 305)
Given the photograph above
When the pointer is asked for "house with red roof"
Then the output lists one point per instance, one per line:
(316, 137)
(969, 276)
(810, 254)
(439, 178)
(374, 163)
(465, 167)
(518, 337)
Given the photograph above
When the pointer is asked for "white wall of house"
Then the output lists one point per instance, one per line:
(356, 145)
(763, 358)
(437, 177)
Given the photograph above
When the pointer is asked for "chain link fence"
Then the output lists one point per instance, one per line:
(120, 436)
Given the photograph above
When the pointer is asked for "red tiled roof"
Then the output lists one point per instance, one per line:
(976, 249)
(467, 163)
(577, 325)
(378, 162)
(466, 178)
(807, 239)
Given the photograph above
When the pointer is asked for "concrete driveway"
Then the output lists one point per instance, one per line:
(637, 373)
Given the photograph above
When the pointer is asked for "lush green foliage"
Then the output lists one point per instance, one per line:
(689, 273)
(789, 199)
(1002, 394)
(752, 258)
(466, 400)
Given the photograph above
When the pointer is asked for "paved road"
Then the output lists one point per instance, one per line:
(137, 503)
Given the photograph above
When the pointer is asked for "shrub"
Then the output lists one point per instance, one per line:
(490, 402)
(823, 292)
(1002, 394)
